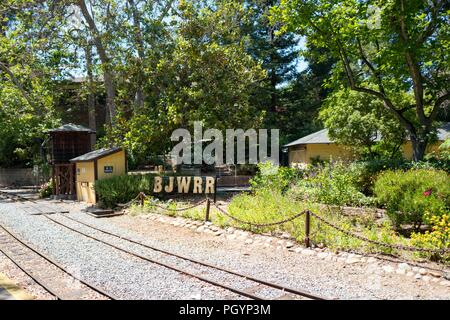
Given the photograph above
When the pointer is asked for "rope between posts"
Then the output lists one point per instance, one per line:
(143, 196)
(260, 225)
(357, 236)
(399, 247)
(174, 210)
(128, 204)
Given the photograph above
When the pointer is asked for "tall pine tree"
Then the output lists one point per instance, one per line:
(278, 54)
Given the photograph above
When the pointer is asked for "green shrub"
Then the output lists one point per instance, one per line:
(122, 189)
(408, 195)
(46, 190)
(332, 183)
(270, 177)
(367, 171)
(435, 239)
(440, 159)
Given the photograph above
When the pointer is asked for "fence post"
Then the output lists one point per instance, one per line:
(215, 189)
(208, 207)
(307, 228)
(142, 198)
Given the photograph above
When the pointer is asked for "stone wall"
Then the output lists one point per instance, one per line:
(19, 177)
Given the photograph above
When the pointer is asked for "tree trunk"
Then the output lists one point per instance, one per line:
(273, 73)
(91, 96)
(140, 96)
(419, 146)
(106, 66)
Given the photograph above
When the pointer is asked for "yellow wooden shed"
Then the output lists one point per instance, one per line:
(97, 165)
(319, 146)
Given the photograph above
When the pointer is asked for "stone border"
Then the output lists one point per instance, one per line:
(285, 242)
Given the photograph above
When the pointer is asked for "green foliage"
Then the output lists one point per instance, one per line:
(360, 122)
(385, 50)
(409, 195)
(331, 183)
(266, 206)
(440, 159)
(122, 189)
(203, 74)
(275, 179)
(26, 91)
(366, 172)
(46, 190)
(301, 98)
(437, 238)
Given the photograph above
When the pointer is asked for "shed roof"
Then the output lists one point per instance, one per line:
(321, 137)
(443, 133)
(95, 155)
(316, 137)
(70, 127)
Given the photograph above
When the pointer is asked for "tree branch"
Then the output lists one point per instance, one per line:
(432, 25)
(444, 99)
(19, 86)
(165, 10)
(413, 68)
(370, 66)
(380, 95)
(107, 72)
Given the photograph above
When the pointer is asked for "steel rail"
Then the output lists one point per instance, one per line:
(163, 264)
(224, 286)
(35, 278)
(52, 262)
(19, 198)
(205, 264)
(58, 265)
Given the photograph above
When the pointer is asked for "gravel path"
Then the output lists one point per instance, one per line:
(121, 274)
(22, 280)
(132, 278)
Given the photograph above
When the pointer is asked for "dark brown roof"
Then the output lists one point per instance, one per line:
(95, 155)
(70, 127)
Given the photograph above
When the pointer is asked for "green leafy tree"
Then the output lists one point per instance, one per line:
(29, 58)
(278, 53)
(201, 73)
(303, 97)
(385, 48)
(358, 121)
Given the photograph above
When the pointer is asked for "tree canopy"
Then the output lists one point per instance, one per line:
(384, 48)
(135, 70)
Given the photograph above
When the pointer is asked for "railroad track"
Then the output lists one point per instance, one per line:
(238, 283)
(47, 273)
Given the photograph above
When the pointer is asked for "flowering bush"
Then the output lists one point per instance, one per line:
(46, 190)
(408, 195)
(438, 237)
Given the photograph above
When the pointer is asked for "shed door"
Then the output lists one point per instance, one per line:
(84, 186)
(298, 156)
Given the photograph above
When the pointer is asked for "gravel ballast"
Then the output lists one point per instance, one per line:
(132, 278)
(125, 276)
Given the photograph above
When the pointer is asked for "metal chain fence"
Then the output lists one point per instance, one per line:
(392, 246)
(308, 213)
(175, 210)
(259, 225)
